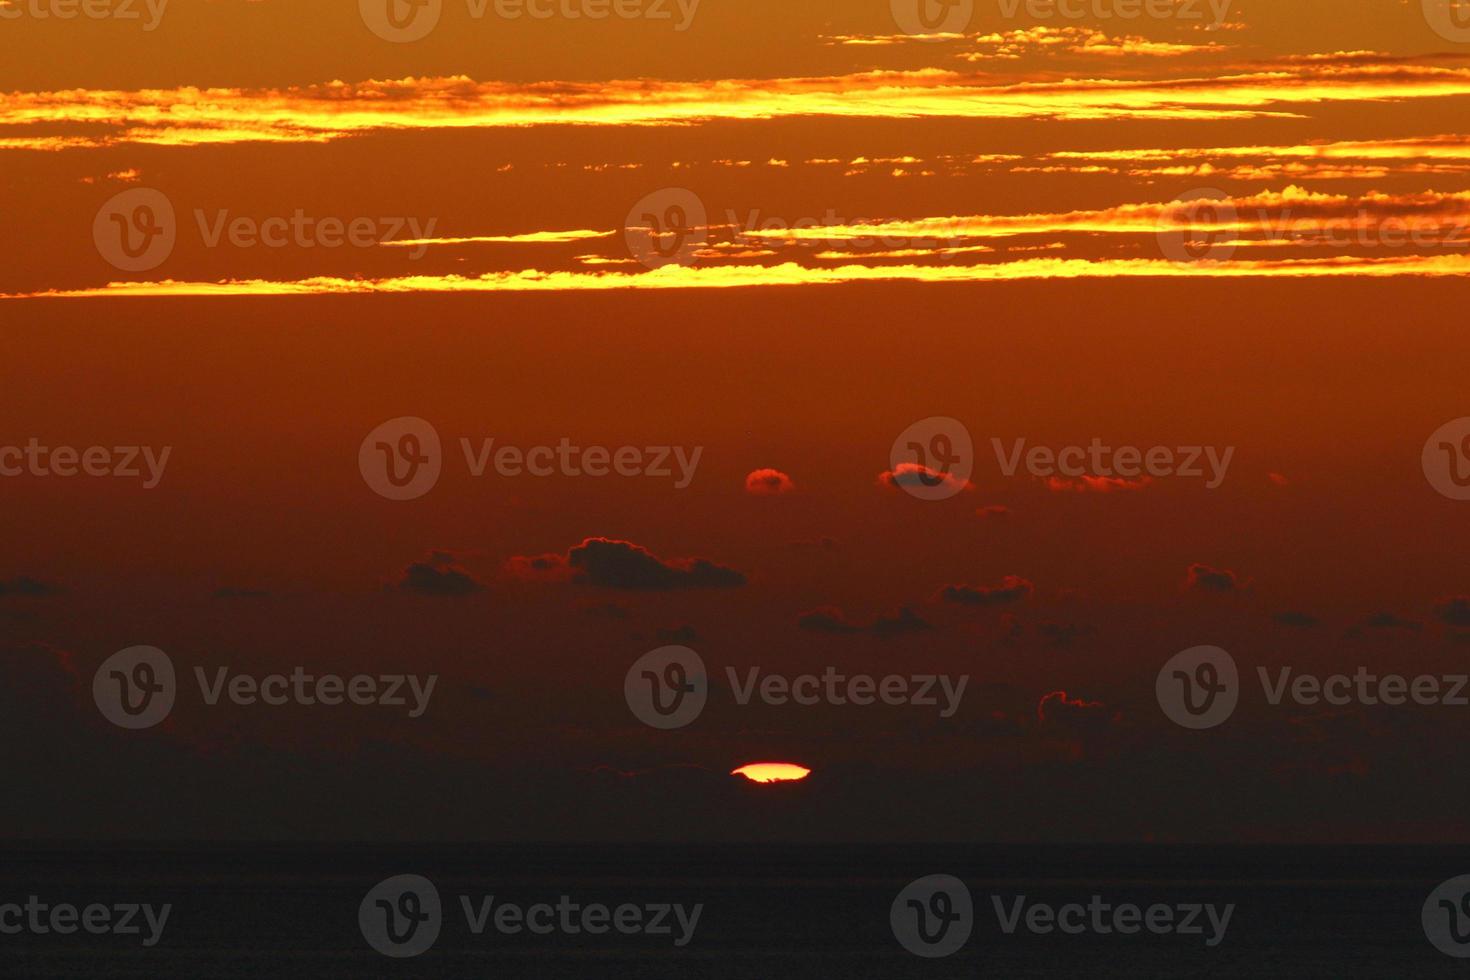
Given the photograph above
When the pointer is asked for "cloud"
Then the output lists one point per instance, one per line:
(785, 274)
(1012, 589)
(1073, 716)
(830, 619)
(993, 511)
(438, 575)
(918, 475)
(1204, 578)
(682, 636)
(1389, 621)
(231, 592)
(768, 482)
(1096, 484)
(1454, 611)
(25, 587)
(612, 564)
(321, 112)
(1297, 620)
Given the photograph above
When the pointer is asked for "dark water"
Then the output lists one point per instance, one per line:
(768, 911)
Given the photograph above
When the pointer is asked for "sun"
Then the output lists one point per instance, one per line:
(772, 772)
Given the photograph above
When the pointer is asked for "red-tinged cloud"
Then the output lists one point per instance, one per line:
(918, 475)
(1073, 715)
(1204, 578)
(1012, 589)
(611, 564)
(768, 483)
(1096, 484)
(993, 511)
(1279, 480)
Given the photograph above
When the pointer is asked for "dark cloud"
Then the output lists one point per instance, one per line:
(830, 619)
(613, 564)
(682, 636)
(1073, 716)
(230, 592)
(1204, 578)
(1298, 620)
(26, 587)
(1388, 621)
(1454, 611)
(438, 575)
(916, 475)
(1012, 589)
(1061, 634)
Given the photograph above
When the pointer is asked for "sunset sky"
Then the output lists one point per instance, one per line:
(783, 233)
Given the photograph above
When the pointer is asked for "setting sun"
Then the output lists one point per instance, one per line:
(772, 772)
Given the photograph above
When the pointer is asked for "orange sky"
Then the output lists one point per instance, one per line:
(259, 230)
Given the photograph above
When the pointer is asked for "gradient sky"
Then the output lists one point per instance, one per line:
(988, 234)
